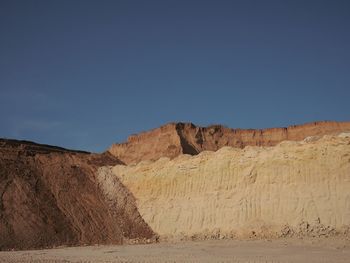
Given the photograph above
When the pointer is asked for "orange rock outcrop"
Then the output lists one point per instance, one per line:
(174, 139)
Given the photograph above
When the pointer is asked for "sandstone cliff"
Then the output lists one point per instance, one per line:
(50, 196)
(293, 188)
(174, 139)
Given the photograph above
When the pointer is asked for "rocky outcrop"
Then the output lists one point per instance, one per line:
(174, 139)
(293, 188)
(50, 196)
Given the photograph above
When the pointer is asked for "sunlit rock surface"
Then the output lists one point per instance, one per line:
(293, 188)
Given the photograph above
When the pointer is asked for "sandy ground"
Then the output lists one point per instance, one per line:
(287, 250)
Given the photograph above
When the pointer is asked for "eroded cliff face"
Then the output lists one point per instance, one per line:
(174, 139)
(50, 196)
(293, 188)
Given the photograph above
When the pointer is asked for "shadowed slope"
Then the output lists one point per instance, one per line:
(49, 196)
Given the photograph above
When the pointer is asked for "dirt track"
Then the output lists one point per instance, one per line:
(256, 251)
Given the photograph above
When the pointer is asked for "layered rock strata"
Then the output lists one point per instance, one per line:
(293, 188)
(174, 139)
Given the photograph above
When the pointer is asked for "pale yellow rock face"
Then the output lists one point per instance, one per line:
(250, 191)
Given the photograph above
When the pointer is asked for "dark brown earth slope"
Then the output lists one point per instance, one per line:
(49, 196)
(176, 138)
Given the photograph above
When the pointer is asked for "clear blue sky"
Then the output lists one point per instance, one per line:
(85, 74)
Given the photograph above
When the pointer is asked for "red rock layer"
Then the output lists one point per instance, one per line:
(176, 138)
(49, 196)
